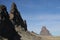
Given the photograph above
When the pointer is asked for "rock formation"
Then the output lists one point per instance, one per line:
(16, 18)
(25, 24)
(7, 29)
(12, 26)
(45, 32)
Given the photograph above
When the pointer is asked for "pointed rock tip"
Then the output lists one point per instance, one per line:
(43, 27)
(13, 5)
(2, 7)
(45, 31)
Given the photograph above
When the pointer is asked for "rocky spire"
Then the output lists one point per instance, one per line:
(45, 31)
(3, 13)
(7, 29)
(25, 24)
(15, 16)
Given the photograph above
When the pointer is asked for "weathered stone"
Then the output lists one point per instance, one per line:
(13, 27)
(25, 24)
(45, 31)
(16, 18)
(7, 29)
(3, 12)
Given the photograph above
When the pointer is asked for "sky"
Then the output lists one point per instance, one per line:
(38, 13)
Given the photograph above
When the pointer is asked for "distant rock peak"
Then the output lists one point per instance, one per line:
(45, 31)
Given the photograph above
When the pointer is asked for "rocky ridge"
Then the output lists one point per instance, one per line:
(12, 26)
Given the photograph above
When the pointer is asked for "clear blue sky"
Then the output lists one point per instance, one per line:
(38, 13)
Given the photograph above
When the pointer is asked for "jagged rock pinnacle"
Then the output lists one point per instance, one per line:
(3, 12)
(16, 18)
(25, 24)
(45, 31)
(7, 29)
(13, 8)
(2, 7)
(15, 15)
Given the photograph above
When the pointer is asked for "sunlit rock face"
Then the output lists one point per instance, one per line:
(45, 31)
(7, 29)
(16, 18)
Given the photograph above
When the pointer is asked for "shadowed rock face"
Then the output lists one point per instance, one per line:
(8, 23)
(7, 29)
(3, 12)
(45, 32)
(25, 24)
(16, 18)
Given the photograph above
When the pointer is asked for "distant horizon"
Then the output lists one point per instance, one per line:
(38, 13)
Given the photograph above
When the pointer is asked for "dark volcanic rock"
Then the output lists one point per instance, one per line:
(16, 18)
(7, 29)
(45, 32)
(25, 24)
(13, 27)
